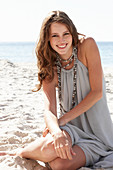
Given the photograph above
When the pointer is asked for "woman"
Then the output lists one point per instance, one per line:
(82, 134)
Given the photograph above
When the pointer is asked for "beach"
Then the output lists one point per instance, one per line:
(21, 111)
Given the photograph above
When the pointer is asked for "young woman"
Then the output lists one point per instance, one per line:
(82, 135)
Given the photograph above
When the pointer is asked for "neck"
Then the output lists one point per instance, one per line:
(67, 55)
(69, 66)
(67, 63)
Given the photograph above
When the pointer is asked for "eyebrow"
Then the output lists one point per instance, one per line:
(63, 32)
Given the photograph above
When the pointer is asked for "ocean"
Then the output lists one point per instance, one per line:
(25, 52)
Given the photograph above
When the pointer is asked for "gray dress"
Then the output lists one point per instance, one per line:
(92, 130)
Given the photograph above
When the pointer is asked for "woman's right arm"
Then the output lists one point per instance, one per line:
(50, 114)
(62, 146)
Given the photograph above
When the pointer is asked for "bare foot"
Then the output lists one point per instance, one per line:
(16, 152)
(3, 153)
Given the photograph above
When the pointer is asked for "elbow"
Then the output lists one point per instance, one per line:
(98, 94)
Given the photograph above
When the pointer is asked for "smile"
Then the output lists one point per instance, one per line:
(61, 46)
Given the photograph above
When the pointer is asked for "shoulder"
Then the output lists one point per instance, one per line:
(89, 47)
(86, 47)
(87, 43)
(89, 51)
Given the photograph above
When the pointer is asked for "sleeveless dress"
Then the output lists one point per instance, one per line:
(92, 130)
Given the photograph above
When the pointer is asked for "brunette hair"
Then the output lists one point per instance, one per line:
(46, 56)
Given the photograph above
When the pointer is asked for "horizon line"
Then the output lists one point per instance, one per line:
(36, 42)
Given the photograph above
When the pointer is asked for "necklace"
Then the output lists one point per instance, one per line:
(58, 63)
(70, 59)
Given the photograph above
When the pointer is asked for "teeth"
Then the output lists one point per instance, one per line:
(62, 46)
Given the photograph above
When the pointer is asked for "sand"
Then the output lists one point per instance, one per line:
(21, 111)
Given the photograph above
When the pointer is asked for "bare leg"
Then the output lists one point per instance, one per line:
(78, 161)
(43, 150)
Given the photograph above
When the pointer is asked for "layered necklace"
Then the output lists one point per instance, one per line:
(59, 66)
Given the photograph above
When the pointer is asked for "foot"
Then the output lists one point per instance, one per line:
(16, 152)
(3, 153)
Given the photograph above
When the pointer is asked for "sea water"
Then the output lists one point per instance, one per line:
(18, 52)
(25, 52)
(106, 53)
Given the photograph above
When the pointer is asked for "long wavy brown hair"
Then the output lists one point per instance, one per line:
(46, 56)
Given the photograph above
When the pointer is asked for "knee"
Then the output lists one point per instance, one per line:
(47, 151)
(58, 165)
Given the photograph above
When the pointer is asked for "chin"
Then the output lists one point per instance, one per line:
(62, 53)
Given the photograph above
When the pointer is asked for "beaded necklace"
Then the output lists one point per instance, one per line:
(59, 66)
(70, 59)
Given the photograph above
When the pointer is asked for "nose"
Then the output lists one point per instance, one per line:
(61, 39)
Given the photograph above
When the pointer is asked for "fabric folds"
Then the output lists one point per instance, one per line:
(93, 130)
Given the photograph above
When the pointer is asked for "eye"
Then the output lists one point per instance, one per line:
(54, 35)
(67, 33)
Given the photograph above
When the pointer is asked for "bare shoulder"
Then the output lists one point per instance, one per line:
(85, 49)
(89, 52)
(88, 42)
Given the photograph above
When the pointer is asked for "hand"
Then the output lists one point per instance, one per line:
(62, 146)
(45, 132)
(61, 121)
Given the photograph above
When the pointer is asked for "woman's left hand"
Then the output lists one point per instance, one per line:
(63, 146)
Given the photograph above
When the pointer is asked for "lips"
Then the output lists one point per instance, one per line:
(61, 46)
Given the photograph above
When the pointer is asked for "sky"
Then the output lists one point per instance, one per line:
(20, 20)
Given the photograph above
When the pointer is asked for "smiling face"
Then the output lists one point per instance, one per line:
(61, 40)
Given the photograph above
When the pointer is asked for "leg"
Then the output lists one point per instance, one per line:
(78, 161)
(42, 149)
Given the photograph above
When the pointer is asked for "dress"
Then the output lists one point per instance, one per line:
(93, 130)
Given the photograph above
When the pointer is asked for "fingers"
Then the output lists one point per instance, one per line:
(72, 152)
(65, 152)
(64, 155)
(59, 152)
(69, 155)
(63, 146)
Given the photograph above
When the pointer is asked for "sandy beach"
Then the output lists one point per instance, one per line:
(21, 111)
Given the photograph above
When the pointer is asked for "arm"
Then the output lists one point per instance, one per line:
(50, 114)
(93, 63)
(62, 145)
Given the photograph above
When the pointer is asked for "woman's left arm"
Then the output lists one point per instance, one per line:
(92, 56)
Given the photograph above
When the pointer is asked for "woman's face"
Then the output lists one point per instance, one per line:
(61, 40)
